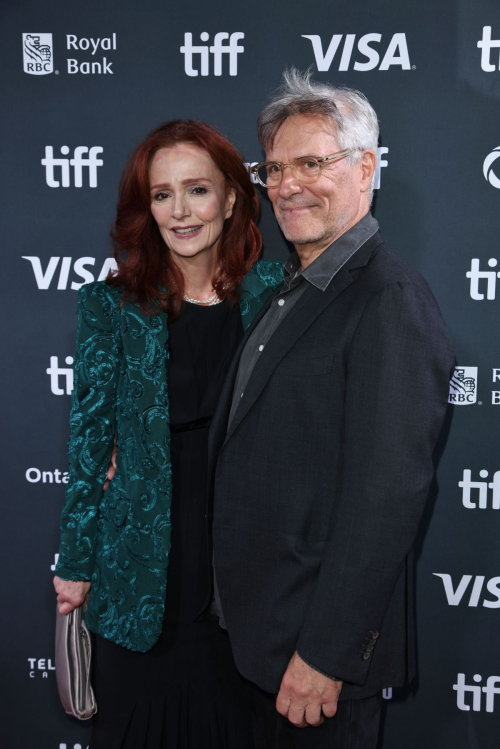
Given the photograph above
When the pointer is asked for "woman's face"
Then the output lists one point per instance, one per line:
(189, 199)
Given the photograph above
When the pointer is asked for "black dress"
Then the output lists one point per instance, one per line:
(185, 693)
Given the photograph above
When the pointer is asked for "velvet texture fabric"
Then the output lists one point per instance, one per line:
(120, 539)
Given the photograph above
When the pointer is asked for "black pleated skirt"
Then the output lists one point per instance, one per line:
(182, 694)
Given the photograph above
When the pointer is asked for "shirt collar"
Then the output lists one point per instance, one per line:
(327, 265)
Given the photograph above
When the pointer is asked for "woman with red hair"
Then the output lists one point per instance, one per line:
(154, 343)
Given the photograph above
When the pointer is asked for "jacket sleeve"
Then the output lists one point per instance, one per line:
(92, 428)
(398, 371)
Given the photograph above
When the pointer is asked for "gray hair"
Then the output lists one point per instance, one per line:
(354, 119)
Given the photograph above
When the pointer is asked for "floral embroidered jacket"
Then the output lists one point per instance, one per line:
(120, 539)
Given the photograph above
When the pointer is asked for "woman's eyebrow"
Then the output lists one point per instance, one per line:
(187, 181)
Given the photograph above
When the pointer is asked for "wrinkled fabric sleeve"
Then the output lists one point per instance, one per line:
(398, 372)
(92, 428)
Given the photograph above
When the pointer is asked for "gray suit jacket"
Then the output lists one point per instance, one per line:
(321, 480)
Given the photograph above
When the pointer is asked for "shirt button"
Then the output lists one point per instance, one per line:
(261, 348)
(281, 302)
(241, 396)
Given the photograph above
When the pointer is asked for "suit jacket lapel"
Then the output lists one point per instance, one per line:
(218, 424)
(310, 305)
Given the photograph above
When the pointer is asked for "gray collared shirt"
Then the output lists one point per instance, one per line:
(296, 282)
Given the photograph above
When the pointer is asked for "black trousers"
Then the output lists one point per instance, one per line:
(355, 725)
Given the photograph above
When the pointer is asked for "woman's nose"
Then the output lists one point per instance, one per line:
(180, 207)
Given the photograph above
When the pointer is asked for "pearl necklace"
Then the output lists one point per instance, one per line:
(206, 302)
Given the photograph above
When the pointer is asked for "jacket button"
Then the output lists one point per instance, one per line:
(366, 656)
(374, 635)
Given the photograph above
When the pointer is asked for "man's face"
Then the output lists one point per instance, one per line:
(318, 213)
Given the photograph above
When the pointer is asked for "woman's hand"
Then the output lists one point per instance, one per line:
(70, 594)
(112, 466)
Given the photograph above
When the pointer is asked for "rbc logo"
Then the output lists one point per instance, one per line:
(396, 53)
(488, 172)
(486, 44)
(38, 54)
(463, 386)
(232, 50)
(491, 689)
(77, 162)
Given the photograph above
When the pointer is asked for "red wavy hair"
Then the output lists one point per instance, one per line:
(146, 271)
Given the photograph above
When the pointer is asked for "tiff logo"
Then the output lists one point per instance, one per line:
(396, 53)
(482, 487)
(454, 597)
(486, 44)
(55, 372)
(490, 691)
(78, 162)
(476, 276)
(218, 49)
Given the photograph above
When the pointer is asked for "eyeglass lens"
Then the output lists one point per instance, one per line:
(305, 169)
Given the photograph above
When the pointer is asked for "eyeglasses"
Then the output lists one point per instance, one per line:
(304, 168)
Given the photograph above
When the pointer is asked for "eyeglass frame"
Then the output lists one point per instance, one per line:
(321, 160)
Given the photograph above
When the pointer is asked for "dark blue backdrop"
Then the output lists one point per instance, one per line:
(82, 84)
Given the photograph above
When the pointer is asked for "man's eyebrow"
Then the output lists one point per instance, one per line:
(302, 156)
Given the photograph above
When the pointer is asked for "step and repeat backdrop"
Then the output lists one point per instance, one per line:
(82, 84)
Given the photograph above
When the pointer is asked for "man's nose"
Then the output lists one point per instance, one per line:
(289, 183)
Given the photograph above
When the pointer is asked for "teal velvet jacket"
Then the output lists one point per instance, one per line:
(120, 539)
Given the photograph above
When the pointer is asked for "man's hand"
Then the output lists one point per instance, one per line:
(70, 594)
(305, 695)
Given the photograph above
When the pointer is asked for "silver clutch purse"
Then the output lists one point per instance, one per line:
(73, 662)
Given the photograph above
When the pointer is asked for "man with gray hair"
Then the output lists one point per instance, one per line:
(321, 446)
